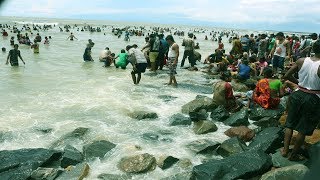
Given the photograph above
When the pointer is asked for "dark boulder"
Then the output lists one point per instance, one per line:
(268, 140)
(179, 119)
(239, 118)
(97, 149)
(231, 146)
(219, 114)
(71, 156)
(244, 165)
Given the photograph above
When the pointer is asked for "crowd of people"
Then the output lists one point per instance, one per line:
(270, 65)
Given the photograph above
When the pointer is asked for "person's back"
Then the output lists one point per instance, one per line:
(122, 62)
(308, 77)
(244, 71)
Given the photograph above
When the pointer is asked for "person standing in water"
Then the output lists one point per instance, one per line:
(13, 56)
(173, 56)
(71, 37)
(35, 47)
(138, 61)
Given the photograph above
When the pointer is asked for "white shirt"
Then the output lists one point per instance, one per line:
(308, 75)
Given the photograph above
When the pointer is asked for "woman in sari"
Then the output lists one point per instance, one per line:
(268, 91)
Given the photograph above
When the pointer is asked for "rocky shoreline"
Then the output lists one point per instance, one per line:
(250, 153)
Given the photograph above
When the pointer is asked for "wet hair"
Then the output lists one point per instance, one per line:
(113, 55)
(170, 37)
(316, 47)
(129, 47)
(123, 51)
(3, 49)
(225, 75)
(267, 72)
(16, 45)
(135, 45)
(106, 48)
(252, 59)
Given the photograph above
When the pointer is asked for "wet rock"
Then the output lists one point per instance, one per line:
(19, 164)
(115, 176)
(197, 104)
(294, 172)
(204, 127)
(258, 113)
(165, 162)
(140, 115)
(79, 172)
(69, 138)
(203, 146)
(45, 173)
(199, 115)
(44, 130)
(244, 165)
(167, 98)
(219, 114)
(97, 149)
(179, 119)
(242, 132)
(184, 163)
(267, 122)
(231, 146)
(268, 140)
(71, 156)
(279, 161)
(138, 164)
(150, 136)
(239, 118)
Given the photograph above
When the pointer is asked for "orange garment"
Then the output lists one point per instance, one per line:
(262, 95)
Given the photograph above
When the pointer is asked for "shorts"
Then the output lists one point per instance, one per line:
(303, 112)
(141, 68)
(153, 56)
(278, 62)
(172, 67)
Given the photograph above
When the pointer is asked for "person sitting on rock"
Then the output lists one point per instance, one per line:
(223, 93)
(268, 91)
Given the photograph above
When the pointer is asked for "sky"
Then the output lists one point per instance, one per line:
(278, 15)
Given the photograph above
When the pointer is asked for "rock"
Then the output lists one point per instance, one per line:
(314, 138)
(219, 114)
(204, 127)
(44, 130)
(294, 172)
(258, 113)
(140, 115)
(239, 87)
(242, 132)
(179, 119)
(244, 165)
(283, 119)
(231, 146)
(97, 149)
(267, 122)
(199, 115)
(138, 164)
(19, 164)
(203, 146)
(184, 163)
(69, 138)
(165, 162)
(279, 161)
(180, 176)
(167, 98)
(45, 173)
(239, 118)
(71, 156)
(268, 140)
(115, 176)
(197, 104)
(79, 172)
(150, 136)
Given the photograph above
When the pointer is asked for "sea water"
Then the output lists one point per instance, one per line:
(57, 90)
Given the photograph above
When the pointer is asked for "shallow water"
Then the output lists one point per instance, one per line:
(57, 90)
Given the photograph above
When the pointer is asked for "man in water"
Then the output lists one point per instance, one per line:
(71, 37)
(173, 56)
(188, 44)
(13, 56)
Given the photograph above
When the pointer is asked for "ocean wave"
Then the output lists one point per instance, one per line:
(36, 23)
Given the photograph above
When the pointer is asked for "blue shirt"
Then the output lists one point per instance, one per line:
(244, 71)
